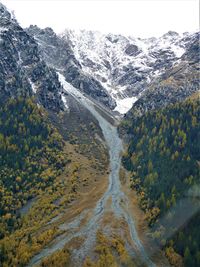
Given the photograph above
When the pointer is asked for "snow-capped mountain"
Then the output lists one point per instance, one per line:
(58, 54)
(114, 70)
(175, 84)
(125, 65)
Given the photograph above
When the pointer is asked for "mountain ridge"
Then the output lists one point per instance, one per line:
(125, 65)
(22, 71)
(116, 70)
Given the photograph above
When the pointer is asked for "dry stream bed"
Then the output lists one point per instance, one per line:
(107, 205)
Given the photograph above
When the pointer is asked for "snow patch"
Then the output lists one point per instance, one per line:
(178, 51)
(64, 100)
(34, 88)
(68, 87)
(124, 105)
(20, 61)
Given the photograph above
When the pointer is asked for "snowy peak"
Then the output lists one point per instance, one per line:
(123, 49)
(125, 65)
(58, 53)
(112, 69)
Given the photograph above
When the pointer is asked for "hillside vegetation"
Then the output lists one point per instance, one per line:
(41, 176)
(163, 159)
(31, 156)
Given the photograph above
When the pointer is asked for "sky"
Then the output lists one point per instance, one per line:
(139, 18)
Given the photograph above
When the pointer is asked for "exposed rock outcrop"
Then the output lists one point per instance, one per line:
(22, 71)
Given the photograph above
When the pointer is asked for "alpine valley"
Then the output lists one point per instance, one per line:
(99, 148)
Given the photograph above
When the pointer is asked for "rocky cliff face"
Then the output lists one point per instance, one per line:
(175, 84)
(22, 71)
(115, 70)
(58, 53)
(124, 65)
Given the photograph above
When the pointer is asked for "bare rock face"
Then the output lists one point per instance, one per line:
(109, 68)
(132, 50)
(57, 52)
(175, 85)
(127, 66)
(22, 71)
